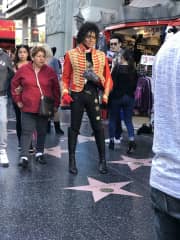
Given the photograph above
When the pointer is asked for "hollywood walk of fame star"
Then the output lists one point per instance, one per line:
(55, 151)
(11, 119)
(83, 139)
(11, 131)
(100, 189)
(133, 163)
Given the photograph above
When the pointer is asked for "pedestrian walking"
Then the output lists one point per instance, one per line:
(36, 79)
(165, 171)
(6, 73)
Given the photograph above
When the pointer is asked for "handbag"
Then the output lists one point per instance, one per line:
(46, 107)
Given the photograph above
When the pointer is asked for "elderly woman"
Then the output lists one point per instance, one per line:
(28, 100)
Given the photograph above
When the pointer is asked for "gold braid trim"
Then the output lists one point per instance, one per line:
(78, 61)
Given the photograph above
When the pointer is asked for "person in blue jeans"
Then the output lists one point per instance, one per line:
(165, 171)
(124, 77)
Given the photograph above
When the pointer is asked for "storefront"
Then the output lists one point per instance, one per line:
(143, 36)
(145, 39)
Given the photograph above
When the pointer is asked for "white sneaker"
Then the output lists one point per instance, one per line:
(116, 141)
(107, 141)
(4, 158)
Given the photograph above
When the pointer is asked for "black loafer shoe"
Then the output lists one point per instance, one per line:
(111, 145)
(23, 162)
(102, 167)
(41, 159)
(73, 170)
(131, 147)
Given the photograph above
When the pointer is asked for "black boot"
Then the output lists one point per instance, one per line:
(99, 136)
(58, 130)
(111, 144)
(72, 140)
(131, 147)
(49, 127)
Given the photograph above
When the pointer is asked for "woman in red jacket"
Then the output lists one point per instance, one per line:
(28, 100)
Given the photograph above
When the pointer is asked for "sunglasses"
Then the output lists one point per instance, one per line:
(91, 37)
(113, 43)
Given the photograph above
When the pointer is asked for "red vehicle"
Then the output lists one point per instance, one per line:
(7, 34)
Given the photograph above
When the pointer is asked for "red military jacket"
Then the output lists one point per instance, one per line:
(75, 65)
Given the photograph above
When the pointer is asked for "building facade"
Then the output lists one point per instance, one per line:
(63, 17)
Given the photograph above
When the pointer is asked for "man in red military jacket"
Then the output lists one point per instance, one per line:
(85, 70)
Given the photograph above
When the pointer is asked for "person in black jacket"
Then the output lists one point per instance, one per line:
(124, 77)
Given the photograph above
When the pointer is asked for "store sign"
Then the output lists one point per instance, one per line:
(13, 3)
(147, 3)
(147, 60)
(7, 29)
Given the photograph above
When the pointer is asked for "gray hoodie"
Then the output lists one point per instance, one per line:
(6, 71)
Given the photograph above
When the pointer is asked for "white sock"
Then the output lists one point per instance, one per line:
(39, 154)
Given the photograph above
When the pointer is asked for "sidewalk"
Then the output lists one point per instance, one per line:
(45, 202)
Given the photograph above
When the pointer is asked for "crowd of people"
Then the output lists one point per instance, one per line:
(87, 72)
(34, 72)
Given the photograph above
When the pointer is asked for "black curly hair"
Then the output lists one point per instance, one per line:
(84, 29)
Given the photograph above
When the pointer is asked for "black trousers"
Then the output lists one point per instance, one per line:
(31, 122)
(85, 100)
(18, 121)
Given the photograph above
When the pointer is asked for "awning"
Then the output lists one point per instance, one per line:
(147, 3)
(7, 29)
(172, 22)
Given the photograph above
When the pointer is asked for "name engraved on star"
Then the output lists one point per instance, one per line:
(107, 190)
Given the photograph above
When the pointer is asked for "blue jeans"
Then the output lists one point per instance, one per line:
(126, 103)
(3, 122)
(167, 215)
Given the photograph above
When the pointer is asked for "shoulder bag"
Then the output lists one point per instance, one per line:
(46, 108)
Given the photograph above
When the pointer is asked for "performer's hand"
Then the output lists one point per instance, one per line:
(90, 75)
(19, 104)
(55, 109)
(18, 90)
(66, 99)
(104, 99)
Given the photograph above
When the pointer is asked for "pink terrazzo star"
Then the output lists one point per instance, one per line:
(101, 190)
(133, 163)
(11, 131)
(55, 151)
(83, 139)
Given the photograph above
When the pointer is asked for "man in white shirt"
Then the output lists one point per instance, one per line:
(165, 172)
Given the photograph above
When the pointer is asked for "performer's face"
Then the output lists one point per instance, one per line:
(90, 40)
